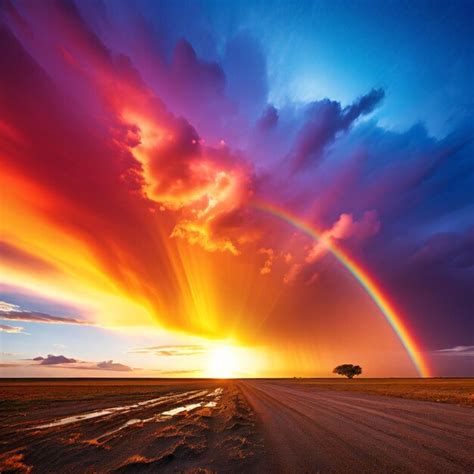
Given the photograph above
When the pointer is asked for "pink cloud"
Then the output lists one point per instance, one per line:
(11, 329)
(344, 228)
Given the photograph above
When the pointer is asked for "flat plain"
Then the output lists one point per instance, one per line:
(445, 390)
(265, 425)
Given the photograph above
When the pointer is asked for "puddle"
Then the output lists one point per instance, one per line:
(166, 414)
(169, 413)
(133, 421)
(218, 391)
(177, 410)
(72, 419)
(120, 409)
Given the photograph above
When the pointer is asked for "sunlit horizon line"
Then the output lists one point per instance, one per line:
(361, 275)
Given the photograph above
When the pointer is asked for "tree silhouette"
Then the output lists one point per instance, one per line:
(348, 370)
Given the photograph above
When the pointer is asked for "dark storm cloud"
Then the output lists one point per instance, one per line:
(324, 120)
(269, 118)
(421, 188)
(449, 249)
(362, 106)
(194, 79)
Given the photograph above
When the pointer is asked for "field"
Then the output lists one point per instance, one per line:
(200, 426)
(445, 390)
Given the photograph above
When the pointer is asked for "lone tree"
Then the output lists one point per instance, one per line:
(348, 370)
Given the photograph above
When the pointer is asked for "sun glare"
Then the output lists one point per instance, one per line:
(223, 362)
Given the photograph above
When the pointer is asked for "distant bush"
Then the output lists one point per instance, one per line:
(348, 370)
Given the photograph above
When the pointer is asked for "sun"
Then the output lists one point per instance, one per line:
(223, 362)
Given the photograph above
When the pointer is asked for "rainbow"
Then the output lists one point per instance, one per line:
(361, 275)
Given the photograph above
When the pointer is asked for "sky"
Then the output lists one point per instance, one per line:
(235, 189)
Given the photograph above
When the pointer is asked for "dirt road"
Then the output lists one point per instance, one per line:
(316, 430)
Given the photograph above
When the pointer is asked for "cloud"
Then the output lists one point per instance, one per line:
(194, 80)
(269, 119)
(114, 366)
(51, 359)
(92, 196)
(291, 275)
(446, 248)
(11, 329)
(71, 363)
(325, 119)
(362, 106)
(176, 138)
(344, 228)
(6, 307)
(13, 312)
(172, 350)
(461, 351)
(177, 372)
(267, 265)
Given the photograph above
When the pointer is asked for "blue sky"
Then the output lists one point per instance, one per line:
(421, 53)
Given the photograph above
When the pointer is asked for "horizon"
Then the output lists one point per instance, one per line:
(333, 378)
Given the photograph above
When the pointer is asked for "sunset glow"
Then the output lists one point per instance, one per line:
(180, 198)
(223, 362)
(364, 279)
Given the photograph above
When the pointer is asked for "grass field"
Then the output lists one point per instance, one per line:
(459, 391)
